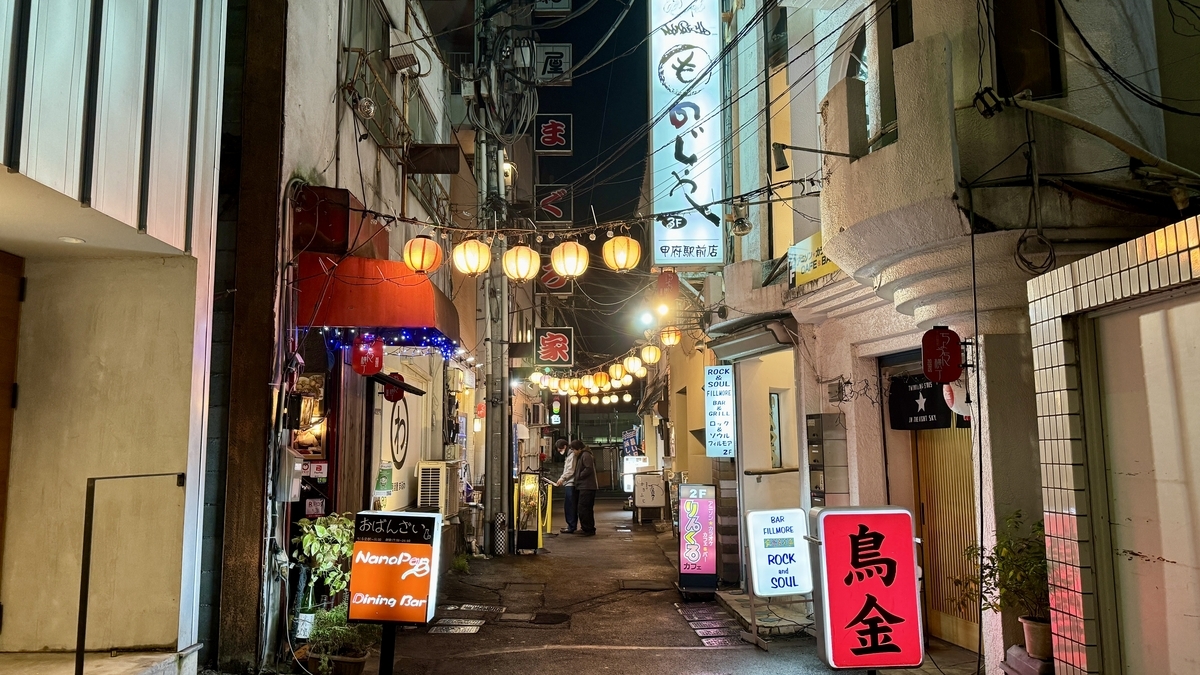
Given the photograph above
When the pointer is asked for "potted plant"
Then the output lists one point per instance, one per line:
(324, 546)
(1012, 575)
(337, 647)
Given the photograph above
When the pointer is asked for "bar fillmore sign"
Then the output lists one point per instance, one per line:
(394, 569)
(687, 170)
(720, 428)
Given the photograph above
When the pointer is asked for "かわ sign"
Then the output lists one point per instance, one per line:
(867, 598)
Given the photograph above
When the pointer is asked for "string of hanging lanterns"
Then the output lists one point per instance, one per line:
(521, 263)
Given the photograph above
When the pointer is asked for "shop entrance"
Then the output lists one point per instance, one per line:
(946, 525)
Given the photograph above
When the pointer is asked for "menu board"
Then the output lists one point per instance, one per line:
(394, 568)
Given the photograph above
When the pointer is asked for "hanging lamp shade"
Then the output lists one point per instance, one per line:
(667, 285)
(615, 384)
(521, 263)
(642, 372)
(627, 397)
(670, 336)
(627, 380)
(574, 400)
(595, 399)
(632, 364)
(651, 354)
(573, 384)
(593, 390)
(422, 254)
(471, 257)
(551, 382)
(600, 378)
(616, 371)
(622, 253)
(536, 378)
(569, 259)
(588, 381)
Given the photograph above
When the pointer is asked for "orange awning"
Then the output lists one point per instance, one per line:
(381, 296)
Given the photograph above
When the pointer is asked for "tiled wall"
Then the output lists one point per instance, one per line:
(1164, 259)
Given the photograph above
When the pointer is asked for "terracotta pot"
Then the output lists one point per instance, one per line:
(340, 665)
(1038, 642)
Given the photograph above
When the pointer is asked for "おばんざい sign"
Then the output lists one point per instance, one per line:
(779, 562)
(867, 601)
(394, 567)
(697, 537)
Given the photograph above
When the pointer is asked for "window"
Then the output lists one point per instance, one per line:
(1027, 55)
(368, 40)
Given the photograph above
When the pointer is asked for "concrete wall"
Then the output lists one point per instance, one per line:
(757, 379)
(100, 398)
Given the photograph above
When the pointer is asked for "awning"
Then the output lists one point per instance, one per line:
(763, 335)
(381, 295)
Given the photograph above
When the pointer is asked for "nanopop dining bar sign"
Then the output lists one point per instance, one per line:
(394, 568)
(866, 597)
(687, 165)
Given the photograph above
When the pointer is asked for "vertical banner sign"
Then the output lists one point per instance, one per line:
(687, 165)
(554, 347)
(394, 569)
(554, 203)
(779, 561)
(719, 413)
(697, 537)
(629, 443)
(552, 64)
(867, 600)
(553, 134)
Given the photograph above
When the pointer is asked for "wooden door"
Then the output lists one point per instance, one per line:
(12, 270)
(946, 498)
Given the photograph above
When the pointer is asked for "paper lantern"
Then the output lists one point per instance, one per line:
(521, 263)
(569, 259)
(627, 380)
(670, 336)
(472, 257)
(536, 378)
(642, 372)
(366, 355)
(593, 390)
(622, 253)
(573, 384)
(615, 384)
(588, 382)
(667, 286)
(595, 399)
(616, 371)
(422, 254)
(574, 400)
(651, 354)
(627, 397)
(600, 378)
(607, 386)
(632, 364)
(551, 382)
(604, 400)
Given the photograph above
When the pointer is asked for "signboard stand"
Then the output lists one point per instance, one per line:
(697, 540)
(387, 649)
(779, 565)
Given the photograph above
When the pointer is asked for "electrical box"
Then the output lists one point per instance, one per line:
(287, 485)
(826, 445)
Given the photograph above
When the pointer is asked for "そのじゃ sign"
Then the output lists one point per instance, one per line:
(866, 597)
(394, 567)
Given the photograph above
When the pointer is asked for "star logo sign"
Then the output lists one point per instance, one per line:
(921, 402)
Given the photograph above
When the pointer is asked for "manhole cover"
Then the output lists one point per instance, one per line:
(722, 641)
(645, 585)
(550, 618)
(460, 622)
(454, 629)
(495, 609)
(716, 632)
(712, 624)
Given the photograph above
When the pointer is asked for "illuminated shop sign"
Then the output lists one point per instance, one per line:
(867, 598)
(394, 568)
(720, 429)
(779, 562)
(697, 536)
(687, 165)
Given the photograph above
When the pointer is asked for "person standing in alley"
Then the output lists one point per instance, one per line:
(567, 482)
(585, 487)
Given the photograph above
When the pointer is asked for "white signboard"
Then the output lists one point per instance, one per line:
(650, 491)
(552, 63)
(687, 164)
(779, 560)
(629, 466)
(720, 428)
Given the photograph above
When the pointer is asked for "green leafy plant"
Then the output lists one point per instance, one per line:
(333, 635)
(325, 546)
(461, 564)
(1012, 574)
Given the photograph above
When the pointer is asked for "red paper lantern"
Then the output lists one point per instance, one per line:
(366, 356)
(941, 355)
(391, 392)
(667, 285)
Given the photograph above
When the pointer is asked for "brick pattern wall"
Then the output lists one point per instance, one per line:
(1163, 259)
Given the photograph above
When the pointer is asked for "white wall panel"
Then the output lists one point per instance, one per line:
(119, 101)
(57, 71)
(166, 196)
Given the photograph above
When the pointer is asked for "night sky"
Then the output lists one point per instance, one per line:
(608, 106)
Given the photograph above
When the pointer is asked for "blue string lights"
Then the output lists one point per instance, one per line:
(428, 338)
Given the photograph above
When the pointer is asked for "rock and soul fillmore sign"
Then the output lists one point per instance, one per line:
(687, 165)
(779, 562)
(867, 596)
(554, 347)
(720, 429)
(394, 568)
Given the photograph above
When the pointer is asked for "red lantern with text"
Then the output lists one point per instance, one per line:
(941, 355)
(869, 600)
(391, 392)
(667, 286)
(366, 356)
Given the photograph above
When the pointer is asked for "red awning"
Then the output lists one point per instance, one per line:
(371, 294)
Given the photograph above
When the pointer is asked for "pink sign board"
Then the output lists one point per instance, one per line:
(697, 529)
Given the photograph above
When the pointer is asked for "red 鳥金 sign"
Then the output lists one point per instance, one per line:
(872, 611)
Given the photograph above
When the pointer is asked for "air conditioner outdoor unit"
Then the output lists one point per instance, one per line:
(539, 414)
(439, 487)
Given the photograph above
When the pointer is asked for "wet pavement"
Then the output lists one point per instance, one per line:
(602, 604)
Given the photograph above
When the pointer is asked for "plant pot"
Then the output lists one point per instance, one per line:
(1038, 641)
(339, 665)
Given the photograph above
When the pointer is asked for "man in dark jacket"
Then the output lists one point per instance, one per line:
(585, 487)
